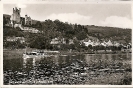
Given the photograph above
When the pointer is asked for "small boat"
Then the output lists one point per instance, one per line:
(35, 55)
(40, 54)
(64, 55)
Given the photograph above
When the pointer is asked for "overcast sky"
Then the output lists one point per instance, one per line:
(114, 15)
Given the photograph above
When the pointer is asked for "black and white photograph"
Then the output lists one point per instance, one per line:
(67, 43)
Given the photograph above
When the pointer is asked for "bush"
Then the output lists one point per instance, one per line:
(13, 45)
(126, 79)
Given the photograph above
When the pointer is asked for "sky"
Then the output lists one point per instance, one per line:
(105, 14)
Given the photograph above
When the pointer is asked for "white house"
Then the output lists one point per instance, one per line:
(88, 43)
(116, 44)
(71, 41)
(13, 39)
(55, 41)
(104, 43)
(109, 43)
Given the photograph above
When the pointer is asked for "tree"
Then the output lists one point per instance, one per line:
(40, 42)
(4, 21)
(13, 44)
(9, 31)
(38, 24)
(82, 35)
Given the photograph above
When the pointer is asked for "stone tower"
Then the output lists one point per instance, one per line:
(15, 17)
(28, 20)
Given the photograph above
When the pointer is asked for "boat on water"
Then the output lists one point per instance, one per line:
(39, 54)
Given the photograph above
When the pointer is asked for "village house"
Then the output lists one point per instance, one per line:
(88, 43)
(30, 29)
(13, 39)
(109, 43)
(116, 44)
(103, 43)
(71, 41)
(97, 42)
(55, 41)
(63, 41)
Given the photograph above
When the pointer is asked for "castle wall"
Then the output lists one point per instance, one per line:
(15, 18)
(28, 20)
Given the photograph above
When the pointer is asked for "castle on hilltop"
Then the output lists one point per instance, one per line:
(16, 20)
(15, 17)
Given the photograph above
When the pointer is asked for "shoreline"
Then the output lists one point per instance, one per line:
(18, 53)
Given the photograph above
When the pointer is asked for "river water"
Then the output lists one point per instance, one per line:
(65, 69)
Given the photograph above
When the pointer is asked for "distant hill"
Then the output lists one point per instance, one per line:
(112, 33)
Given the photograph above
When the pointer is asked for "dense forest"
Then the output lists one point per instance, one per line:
(56, 29)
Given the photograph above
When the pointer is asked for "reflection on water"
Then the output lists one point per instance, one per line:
(76, 69)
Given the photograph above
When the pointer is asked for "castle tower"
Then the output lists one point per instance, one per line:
(28, 20)
(15, 17)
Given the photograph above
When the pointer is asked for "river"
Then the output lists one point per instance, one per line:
(67, 69)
